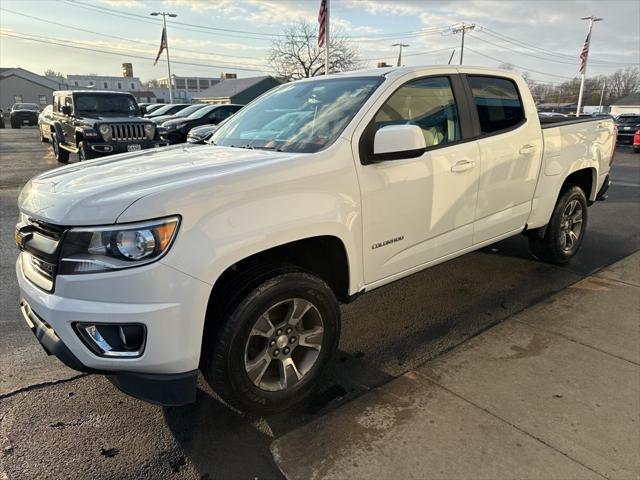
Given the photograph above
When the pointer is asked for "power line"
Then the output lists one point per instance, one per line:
(519, 66)
(106, 35)
(53, 42)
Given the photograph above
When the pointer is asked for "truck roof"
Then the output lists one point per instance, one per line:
(399, 71)
(110, 92)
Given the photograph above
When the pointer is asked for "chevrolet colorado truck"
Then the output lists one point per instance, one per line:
(232, 257)
(98, 123)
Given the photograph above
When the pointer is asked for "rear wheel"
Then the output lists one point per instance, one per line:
(565, 231)
(276, 338)
(60, 154)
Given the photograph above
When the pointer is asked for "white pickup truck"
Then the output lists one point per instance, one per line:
(232, 257)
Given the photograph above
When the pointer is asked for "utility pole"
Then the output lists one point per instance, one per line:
(585, 49)
(400, 54)
(326, 40)
(164, 22)
(451, 57)
(601, 96)
(462, 28)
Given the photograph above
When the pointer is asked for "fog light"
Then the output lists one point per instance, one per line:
(109, 340)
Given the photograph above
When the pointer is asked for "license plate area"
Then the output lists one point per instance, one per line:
(134, 147)
(24, 122)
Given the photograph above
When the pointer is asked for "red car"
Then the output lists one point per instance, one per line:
(636, 141)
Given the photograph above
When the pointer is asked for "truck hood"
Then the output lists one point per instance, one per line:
(98, 191)
(113, 118)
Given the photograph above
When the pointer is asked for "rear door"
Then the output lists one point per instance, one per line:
(510, 146)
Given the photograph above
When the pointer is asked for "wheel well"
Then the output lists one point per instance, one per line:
(323, 256)
(79, 138)
(581, 178)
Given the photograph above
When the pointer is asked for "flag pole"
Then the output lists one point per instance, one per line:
(591, 19)
(326, 39)
(166, 46)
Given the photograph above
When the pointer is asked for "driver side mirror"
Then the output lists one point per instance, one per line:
(396, 142)
(66, 110)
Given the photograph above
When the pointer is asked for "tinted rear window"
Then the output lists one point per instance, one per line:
(498, 103)
(628, 119)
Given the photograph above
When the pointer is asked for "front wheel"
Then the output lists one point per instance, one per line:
(274, 343)
(61, 154)
(84, 152)
(565, 231)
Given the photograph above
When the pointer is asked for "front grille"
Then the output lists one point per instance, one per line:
(128, 131)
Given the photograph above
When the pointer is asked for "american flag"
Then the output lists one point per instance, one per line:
(322, 21)
(163, 45)
(584, 53)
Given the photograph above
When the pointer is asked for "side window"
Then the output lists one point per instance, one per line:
(427, 103)
(68, 102)
(498, 103)
(219, 114)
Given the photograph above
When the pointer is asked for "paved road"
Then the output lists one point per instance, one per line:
(87, 429)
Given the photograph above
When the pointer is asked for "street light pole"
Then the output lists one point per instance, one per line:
(591, 19)
(400, 54)
(166, 46)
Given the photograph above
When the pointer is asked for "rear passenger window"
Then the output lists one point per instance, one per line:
(427, 103)
(498, 103)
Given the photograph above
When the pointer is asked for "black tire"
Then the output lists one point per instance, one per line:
(225, 362)
(15, 125)
(558, 246)
(60, 154)
(84, 152)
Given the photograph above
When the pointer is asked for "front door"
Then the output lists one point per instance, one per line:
(415, 211)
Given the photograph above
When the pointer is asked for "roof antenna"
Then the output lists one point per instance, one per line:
(451, 57)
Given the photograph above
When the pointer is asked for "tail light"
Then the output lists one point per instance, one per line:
(636, 138)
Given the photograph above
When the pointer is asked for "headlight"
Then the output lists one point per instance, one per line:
(149, 130)
(177, 126)
(105, 131)
(103, 249)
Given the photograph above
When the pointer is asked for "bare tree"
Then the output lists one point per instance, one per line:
(50, 72)
(296, 54)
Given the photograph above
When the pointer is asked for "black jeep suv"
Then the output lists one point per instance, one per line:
(24, 114)
(96, 123)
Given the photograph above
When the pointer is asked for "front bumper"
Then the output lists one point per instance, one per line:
(108, 148)
(170, 304)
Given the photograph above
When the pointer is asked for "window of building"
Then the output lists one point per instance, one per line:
(498, 103)
(17, 99)
(105, 85)
(204, 84)
(192, 84)
(120, 85)
(76, 83)
(180, 83)
(427, 103)
(42, 99)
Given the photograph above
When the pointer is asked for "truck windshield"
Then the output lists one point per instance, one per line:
(100, 103)
(298, 117)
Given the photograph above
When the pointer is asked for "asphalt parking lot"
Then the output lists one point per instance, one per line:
(56, 423)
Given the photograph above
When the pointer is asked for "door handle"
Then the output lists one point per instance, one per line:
(463, 166)
(527, 149)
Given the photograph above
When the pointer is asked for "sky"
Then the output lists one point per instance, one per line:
(213, 36)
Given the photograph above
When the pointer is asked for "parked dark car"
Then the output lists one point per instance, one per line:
(627, 124)
(153, 107)
(185, 112)
(45, 119)
(178, 129)
(201, 134)
(168, 109)
(24, 114)
(97, 123)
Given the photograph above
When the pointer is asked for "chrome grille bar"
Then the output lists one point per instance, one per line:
(127, 131)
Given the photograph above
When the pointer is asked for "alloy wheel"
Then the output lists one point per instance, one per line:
(284, 344)
(571, 225)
